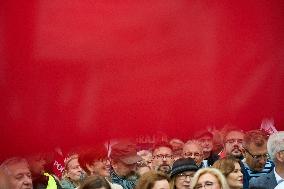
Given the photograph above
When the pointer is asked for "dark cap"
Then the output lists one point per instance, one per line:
(202, 133)
(125, 152)
(183, 164)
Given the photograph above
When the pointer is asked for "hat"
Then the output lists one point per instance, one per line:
(275, 143)
(183, 164)
(125, 152)
(202, 133)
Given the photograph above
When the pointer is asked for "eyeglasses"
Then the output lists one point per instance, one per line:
(163, 156)
(189, 154)
(183, 176)
(232, 141)
(258, 157)
(206, 185)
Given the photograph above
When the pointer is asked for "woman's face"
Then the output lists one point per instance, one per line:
(209, 181)
(235, 178)
(161, 184)
(182, 180)
(74, 171)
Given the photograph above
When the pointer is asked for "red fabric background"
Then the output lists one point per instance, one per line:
(75, 72)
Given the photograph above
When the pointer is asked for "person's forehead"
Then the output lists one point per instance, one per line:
(163, 150)
(207, 177)
(235, 135)
(18, 168)
(257, 149)
(73, 162)
(192, 148)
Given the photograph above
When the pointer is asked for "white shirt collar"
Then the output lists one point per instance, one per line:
(278, 178)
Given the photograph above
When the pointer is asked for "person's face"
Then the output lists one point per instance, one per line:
(209, 181)
(161, 184)
(74, 171)
(182, 180)
(257, 162)
(234, 144)
(162, 159)
(100, 167)
(235, 178)
(19, 176)
(206, 143)
(124, 170)
(193, 151)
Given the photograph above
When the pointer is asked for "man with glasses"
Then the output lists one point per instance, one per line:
(233, 143)
(255, 152)
(162, 157)
(274, 179)
(193, 149)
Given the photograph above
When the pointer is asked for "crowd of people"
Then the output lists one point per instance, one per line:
(248, 160)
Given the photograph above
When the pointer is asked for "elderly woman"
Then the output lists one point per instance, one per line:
(182, 172)
(209, 178)
(153, 180)
(73, 174)
(231, 169)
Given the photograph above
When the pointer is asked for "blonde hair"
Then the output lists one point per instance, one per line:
(215, 172)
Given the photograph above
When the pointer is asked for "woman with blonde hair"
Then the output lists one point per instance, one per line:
(209, 178)
(231, 169)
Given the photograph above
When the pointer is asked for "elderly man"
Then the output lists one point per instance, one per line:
(193, 149)
(206, 140)
(17, 173)
(255, 151)
(163, 157)
(274, 179)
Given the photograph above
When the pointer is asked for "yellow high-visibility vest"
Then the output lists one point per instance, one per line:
(51, 182)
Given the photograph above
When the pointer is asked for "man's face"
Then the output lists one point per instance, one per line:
(234, 144)
(124, 170)
(19, 176)
(74, 171)
(206, 143)
(162, 159)
(100, 167)
(193, 151)
(257, 162)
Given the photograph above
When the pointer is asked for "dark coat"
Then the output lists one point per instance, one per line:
(267, 181)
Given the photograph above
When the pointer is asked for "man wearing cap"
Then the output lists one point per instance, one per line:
(206, 140)
(123, 164)
(274, 179)
(182, 172)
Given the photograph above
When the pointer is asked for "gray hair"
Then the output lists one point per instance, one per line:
(275, 144)
(14, 160)
(193, 142)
